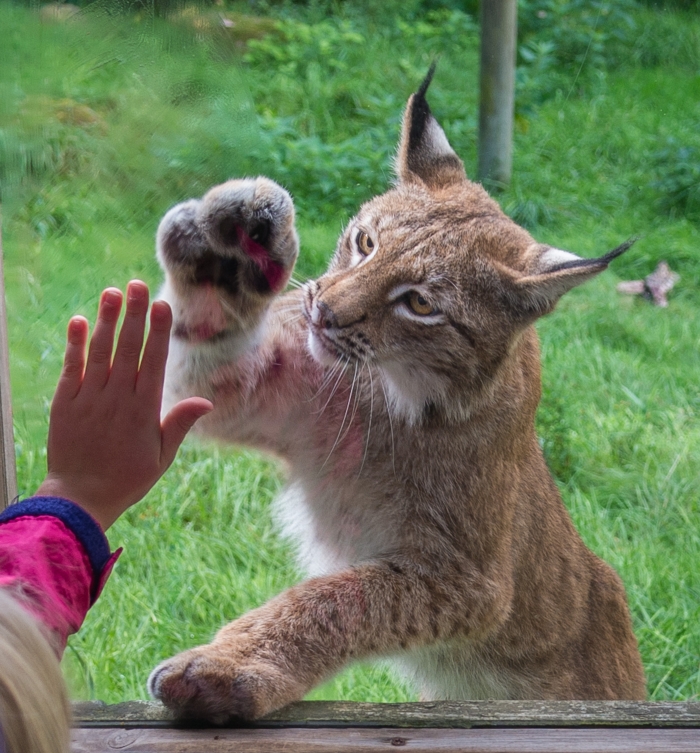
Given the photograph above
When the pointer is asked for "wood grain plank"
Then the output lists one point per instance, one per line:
(8, 471)
(358, 740)
(443, 714)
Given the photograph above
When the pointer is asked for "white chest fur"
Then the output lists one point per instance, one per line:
(333, 525)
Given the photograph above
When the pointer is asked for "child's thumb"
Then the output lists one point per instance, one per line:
(177, 423)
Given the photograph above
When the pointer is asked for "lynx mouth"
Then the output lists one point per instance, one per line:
(323, 348)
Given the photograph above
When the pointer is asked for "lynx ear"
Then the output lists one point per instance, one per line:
(424, 152)
(556, 272)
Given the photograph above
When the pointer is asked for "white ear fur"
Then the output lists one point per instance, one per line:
(435, 142)
(553, 258)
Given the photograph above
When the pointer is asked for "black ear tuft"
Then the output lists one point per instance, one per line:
(557, 272)
(423, 88)
(618, 251)
(600, 262)
(420, 112)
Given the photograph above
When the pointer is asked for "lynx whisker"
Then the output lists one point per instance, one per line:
(391, 423)
(289, 301)
(371, 411)
(289, 306)
(343, 362)
(229, 309)
(330, 373)
(356, 401)
(342, 423)
(445, 278)
(293, 319)
(295, 282)
(291, 315)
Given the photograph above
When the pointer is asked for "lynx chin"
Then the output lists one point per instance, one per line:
(400, 388)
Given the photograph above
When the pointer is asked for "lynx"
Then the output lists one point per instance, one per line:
(400, 389)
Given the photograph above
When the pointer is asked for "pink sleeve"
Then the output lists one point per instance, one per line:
(55, 563)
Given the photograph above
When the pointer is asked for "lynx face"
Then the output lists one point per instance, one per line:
(432, 283)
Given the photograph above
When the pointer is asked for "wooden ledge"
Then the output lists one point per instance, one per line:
(445, 727)
(437, 715)
(363, 740)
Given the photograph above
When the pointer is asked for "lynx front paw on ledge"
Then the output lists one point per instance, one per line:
(207, 683)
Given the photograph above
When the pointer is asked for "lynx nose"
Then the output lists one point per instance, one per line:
(323, 316)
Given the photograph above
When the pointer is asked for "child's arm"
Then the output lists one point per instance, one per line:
(107, 447)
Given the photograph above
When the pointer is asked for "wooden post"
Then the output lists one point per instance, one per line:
(8, 470)
(497, 90)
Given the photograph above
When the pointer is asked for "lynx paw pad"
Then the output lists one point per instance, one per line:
(239, 238)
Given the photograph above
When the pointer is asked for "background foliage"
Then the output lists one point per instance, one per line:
(111, 116)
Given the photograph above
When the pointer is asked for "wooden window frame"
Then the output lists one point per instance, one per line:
(344, 727)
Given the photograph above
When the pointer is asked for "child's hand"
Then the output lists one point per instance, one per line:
(107, 446)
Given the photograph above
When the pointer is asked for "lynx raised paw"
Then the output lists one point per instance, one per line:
(239, 238)
(207, 683)
(225, 256)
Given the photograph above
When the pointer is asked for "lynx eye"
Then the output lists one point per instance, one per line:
(418, 304)
(364, 243)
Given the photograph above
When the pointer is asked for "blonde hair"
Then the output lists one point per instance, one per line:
(34, 709)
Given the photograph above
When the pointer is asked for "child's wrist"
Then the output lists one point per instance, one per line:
(56, 486)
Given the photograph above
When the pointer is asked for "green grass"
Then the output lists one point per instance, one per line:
(106, 122)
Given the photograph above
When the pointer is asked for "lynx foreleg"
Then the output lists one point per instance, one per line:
(277, 653)
(226, 257)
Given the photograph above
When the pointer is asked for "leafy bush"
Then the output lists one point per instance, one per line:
(329, 42)
(329, 167)
(327, 180)
(564, 44)
(662, 39)
(442, 29)
(677, 180)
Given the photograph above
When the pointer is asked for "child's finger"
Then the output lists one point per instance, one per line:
(99, 358)
(74, 359)
(126, 357)
(155, 353)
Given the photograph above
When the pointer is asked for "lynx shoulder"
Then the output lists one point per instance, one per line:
(400, 388)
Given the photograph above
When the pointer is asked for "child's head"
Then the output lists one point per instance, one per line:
(34, 708)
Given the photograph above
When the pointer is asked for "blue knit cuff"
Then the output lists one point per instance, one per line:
(81, 523)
